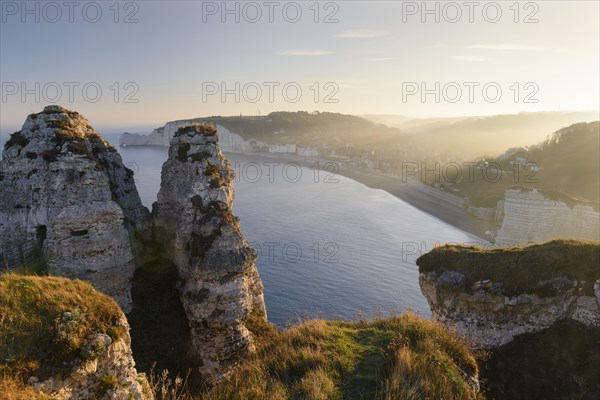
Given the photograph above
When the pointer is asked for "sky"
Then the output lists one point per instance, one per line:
(143, 63)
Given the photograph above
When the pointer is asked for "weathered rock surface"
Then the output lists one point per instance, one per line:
(492, 296)
(533, 216)
(220, 282)
(107, 373)
(67, 194)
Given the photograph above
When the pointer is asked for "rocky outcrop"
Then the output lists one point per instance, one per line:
(229, 141)
(193, 217)
(62, 338)
(67, 195)
(491, 296)
(68, 200)
(107, 371)
(535, 216)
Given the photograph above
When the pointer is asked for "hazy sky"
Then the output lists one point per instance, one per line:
(372, 54)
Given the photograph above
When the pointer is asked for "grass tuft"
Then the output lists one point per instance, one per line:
(12, 388)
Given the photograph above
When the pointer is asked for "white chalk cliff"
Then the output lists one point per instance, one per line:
(533, 216)
(228, 141)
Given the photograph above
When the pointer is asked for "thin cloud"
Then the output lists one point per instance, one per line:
(471, 58)
(362, 33)
(381, 59)
(305, 52)
(516, 47)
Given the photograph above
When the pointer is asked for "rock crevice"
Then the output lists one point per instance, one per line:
(70, 203)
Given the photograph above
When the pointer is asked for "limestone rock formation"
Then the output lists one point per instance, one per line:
(109, 373)
(229, 141)
(534, 216)
(67, 194)
(220, 282)
(491, 296)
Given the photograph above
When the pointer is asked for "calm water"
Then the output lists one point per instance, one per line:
(327, 245)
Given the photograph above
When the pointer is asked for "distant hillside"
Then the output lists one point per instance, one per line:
(308, 128)
(570, 159)
(569, 162)
(474, 136)
(402, 122)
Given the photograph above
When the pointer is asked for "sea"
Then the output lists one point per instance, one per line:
(327, 246)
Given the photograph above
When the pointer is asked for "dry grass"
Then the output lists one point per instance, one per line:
(427, 362)
(403, 357)
(14, 389)
(166, 388)
(197, 129)
(45, 321)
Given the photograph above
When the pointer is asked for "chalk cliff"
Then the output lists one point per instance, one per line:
(193, 218)
(535, 216)
(491, 296)
(229, 141)
(67, 195)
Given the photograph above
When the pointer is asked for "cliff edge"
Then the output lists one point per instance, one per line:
(61, 339)
(492, 296)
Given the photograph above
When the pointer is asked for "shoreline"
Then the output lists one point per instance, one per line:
(445, 206)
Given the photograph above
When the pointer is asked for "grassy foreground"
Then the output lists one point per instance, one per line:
(44, 324)
(403, 357)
